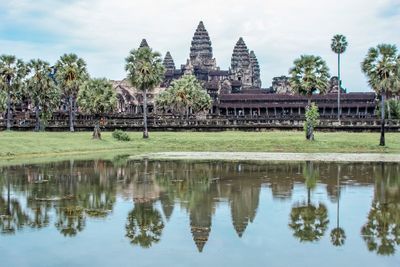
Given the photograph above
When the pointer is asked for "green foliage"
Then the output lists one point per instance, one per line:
(394, 106)
(121, 135)
(308, 75)
(96, 96)
(185, 93)
(3, 101)
(41, 89)
(145, 68)
(12, 74)
(339, 44)
(312, 120)
(382, 67)
(71, 73)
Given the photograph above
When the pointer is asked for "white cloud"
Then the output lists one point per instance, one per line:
(103, 31)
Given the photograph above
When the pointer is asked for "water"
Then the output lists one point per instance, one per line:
(152, 213)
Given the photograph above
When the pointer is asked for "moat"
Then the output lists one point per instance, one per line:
(190, 213)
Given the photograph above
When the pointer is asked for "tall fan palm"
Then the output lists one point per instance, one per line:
(12, 74)
(339, 45)
(145, 72)
(42, 91)
(382, 67)
(71, 73)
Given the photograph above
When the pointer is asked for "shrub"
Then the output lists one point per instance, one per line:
(312, 120)
(121, 135)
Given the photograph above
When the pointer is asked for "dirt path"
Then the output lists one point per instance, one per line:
(262, 156)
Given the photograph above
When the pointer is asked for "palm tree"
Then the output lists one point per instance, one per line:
(382, 67)
(70, 74)
(42, 90)
(12, 74)
(184, 95)
(309, 74)
(97, 96)
(145, 72)
(339, 45)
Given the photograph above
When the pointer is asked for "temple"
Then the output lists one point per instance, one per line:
(238, 91)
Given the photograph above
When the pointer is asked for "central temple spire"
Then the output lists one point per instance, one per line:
(201, 44)
(201, 54)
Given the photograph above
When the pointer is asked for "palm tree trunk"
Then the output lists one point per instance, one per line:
(71, 114)
(145, 131)
(96, 131)
(339, 89)
(9, 111)
(37, 123)
(382, 141)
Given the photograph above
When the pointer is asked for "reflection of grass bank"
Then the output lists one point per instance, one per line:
(29, 146)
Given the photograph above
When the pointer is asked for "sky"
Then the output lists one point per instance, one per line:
(103, 32)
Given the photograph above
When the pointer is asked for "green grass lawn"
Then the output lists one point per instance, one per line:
(30, 146)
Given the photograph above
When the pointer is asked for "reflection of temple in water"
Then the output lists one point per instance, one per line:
(82, 189)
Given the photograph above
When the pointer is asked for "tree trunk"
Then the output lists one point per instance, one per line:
(145, 131)
(339, 88)
(71, 113)
(382, 141)
(309, 133)
(37, 122)
(96, 132)
(8, 111)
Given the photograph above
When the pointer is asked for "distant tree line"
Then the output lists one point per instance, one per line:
(68, 81)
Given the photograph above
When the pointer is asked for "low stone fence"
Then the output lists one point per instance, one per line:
(208, 123)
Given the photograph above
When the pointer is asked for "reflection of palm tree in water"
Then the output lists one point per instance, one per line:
(382, 230)
(12, 216)
(144, 224)
(309, 222)
(338, 235)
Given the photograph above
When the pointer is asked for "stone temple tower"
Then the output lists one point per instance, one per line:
(244, 66)
(168, 62)
(241, 69)
(201, 54)
(256, 70)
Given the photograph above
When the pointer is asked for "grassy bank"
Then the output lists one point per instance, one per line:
(30, 146)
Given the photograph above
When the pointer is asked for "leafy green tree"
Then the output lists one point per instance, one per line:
(96, 96)
(145, 72)
(312, 120)
(12, 74)
(339, 45)
(70, 74)
(392, 109)
(309, 75)
(185, 94)
(382, 67)
(42, 91)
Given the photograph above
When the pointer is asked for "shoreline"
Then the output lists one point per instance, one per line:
(272, 157)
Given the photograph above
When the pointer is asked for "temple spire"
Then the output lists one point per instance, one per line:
(201, 43)
(256, 70)
(168, 62)
(241, 69)
(143, 43)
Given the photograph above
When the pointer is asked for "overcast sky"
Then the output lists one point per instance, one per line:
(103, 31)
